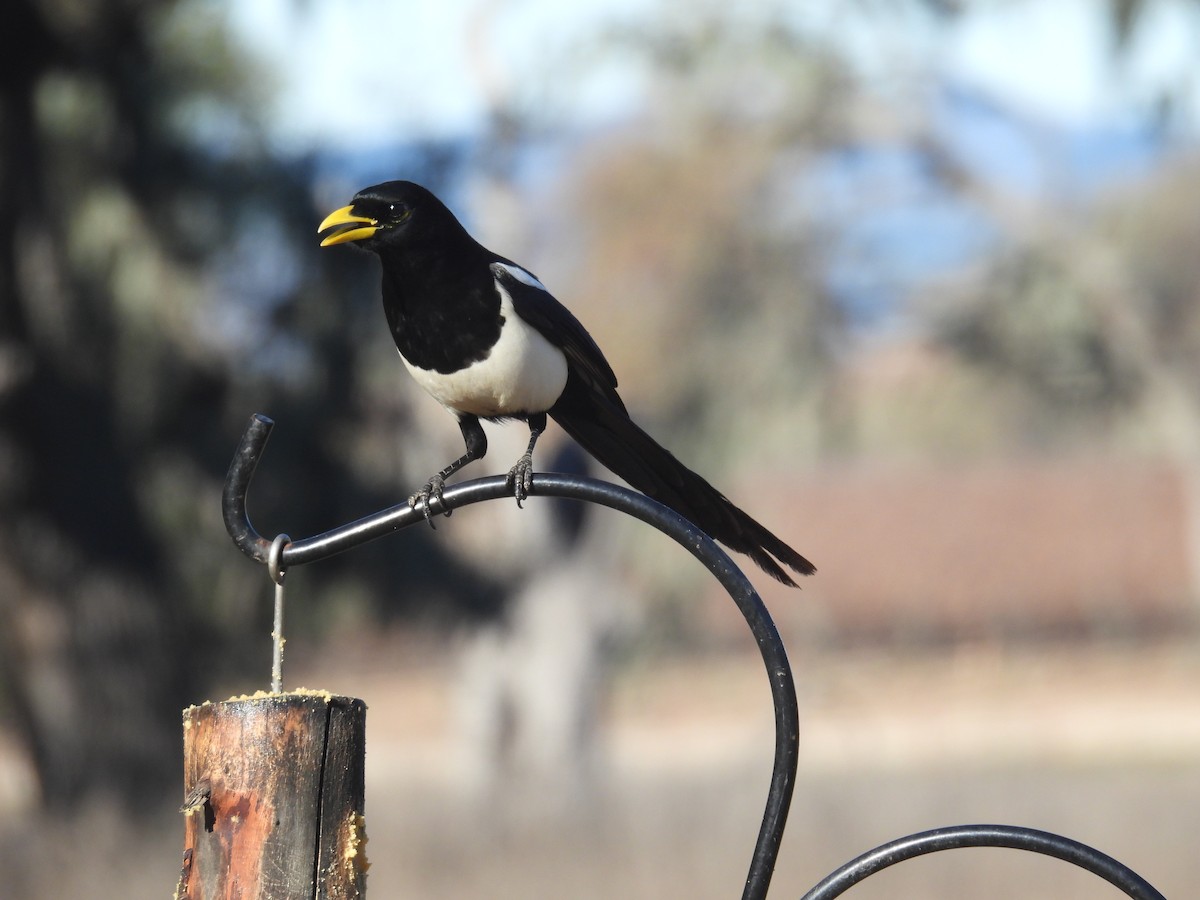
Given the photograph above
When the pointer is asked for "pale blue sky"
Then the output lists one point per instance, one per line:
(414, 69)
(1025, 93)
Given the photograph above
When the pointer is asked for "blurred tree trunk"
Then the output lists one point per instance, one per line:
(1161, 353)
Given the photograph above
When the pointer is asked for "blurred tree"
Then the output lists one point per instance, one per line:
(1094, 317)
(1031, 317)
(151, 296)
(1089, 308)
(101, 372)
(697, 227)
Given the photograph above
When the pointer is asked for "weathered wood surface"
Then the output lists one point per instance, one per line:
(274, 799)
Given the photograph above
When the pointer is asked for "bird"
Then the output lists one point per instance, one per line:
(486, 339)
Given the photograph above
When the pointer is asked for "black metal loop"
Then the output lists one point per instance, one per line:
(1012, 837)
(666, 520)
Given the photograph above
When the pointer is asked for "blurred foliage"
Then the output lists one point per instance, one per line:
(1033, 321)
(159, 281)
(1093, 318)
(112, 393)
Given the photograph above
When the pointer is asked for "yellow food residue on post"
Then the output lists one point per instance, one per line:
(356, 843)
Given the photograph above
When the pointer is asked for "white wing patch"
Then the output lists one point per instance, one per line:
(524, 373)
(522, 275)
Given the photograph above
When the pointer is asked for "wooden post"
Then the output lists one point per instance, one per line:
(274, 799)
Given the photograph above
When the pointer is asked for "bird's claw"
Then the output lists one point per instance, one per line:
(520, 478)
(433, 490)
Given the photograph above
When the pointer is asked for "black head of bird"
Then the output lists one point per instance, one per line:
(395, 214)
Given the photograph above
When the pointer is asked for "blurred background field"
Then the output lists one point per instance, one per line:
(915, 282)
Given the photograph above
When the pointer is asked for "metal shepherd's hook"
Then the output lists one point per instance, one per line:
(283, 553)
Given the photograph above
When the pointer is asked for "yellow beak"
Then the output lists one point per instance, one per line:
(353, 228)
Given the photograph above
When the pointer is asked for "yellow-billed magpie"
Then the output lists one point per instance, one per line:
(486, 339)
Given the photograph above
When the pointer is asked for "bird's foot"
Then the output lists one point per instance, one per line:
(520, 478)
(433, 490)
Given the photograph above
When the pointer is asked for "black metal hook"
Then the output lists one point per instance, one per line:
(1010, 836)
(699, 544)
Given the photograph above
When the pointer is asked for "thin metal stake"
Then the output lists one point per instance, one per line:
(277, 640)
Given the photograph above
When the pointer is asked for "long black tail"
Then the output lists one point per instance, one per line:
(604, 429)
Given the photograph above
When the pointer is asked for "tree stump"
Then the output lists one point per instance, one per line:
(274, 798)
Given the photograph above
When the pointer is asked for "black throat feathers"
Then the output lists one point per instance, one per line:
(442, 317)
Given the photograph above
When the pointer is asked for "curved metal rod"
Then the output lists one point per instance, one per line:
(1013, 837)
(666, 520)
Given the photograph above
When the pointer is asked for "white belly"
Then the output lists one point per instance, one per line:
(524, 373)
